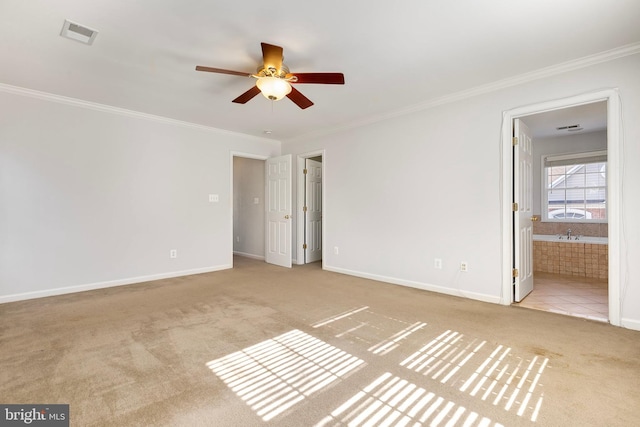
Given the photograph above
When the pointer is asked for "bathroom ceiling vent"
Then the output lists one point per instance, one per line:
(570, 128)
(77, 32)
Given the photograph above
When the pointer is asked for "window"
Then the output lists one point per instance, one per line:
(569, 213)
(575, 187)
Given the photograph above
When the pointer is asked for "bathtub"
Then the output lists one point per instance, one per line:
(574, 239)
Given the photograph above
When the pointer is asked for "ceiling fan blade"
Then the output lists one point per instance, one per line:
(221, 71)
(247, 96)
(299, 99)
(272, 56)
(319, 78)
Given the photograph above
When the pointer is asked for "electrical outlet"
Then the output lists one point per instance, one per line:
(437, 263)
(173, 253)
(237, 238)
(464, 267)
(336, 250)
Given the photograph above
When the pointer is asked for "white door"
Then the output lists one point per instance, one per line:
(313, 211)
(522, 218)
(278, 206)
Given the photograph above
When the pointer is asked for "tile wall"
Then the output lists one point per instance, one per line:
(572, 259)
(577, 229)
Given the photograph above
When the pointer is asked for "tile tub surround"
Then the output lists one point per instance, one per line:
(571, 258)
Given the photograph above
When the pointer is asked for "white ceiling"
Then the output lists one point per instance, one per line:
(395, 56)
(589, 117)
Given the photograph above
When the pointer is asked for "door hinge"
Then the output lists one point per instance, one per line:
(515, 141)
(304, 171)
(304, 209)
(304, 246)
(515, 207)
(515, 272)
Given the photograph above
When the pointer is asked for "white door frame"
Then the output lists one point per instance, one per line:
(300, 204)
(233, 154)
(614, 194)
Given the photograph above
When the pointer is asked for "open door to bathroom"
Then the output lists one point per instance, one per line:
(523, 211)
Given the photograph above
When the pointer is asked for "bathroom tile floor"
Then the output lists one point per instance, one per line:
(570, 295)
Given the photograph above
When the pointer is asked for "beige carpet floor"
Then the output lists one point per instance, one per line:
(260, 345)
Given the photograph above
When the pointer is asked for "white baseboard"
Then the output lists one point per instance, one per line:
(630, 324)
(419, 285)
(246, 255)
(259, 257)
(107, 284)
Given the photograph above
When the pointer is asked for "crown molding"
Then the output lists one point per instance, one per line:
(17, 90)
(587, 61)
(564, 67)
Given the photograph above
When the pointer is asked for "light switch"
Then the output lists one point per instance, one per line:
(256, 200)
(214, 198)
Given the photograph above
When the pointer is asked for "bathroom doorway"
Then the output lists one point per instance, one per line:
(611, 292)
(570, 257)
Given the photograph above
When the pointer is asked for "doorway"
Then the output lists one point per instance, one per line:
(310, 196)
(261, 207)
(569, 229)
(614, 185)
(248, 198)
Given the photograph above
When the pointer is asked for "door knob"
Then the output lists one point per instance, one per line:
(535, 218)
(287, 217)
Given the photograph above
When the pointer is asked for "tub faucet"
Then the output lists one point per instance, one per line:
(569, 234)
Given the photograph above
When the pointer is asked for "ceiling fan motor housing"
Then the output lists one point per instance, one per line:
(272, 72)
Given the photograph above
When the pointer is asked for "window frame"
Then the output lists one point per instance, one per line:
(566, 160)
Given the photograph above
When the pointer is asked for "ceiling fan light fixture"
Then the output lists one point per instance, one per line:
(273, 88)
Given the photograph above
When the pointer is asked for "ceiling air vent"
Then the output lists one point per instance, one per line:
(568, 127)
(77, 32)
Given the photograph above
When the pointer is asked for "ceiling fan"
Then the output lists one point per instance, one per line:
(274, 79)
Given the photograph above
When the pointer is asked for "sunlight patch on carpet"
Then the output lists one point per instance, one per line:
(274, 375)
(391, 400)
(337, 317)
(443, 357)
(500, 378)
(512, 383)
(381, 334)
(392, 342)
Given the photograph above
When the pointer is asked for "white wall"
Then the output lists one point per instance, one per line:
(94, 197)
(593, 141)
(409, 189)
(248, 216)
